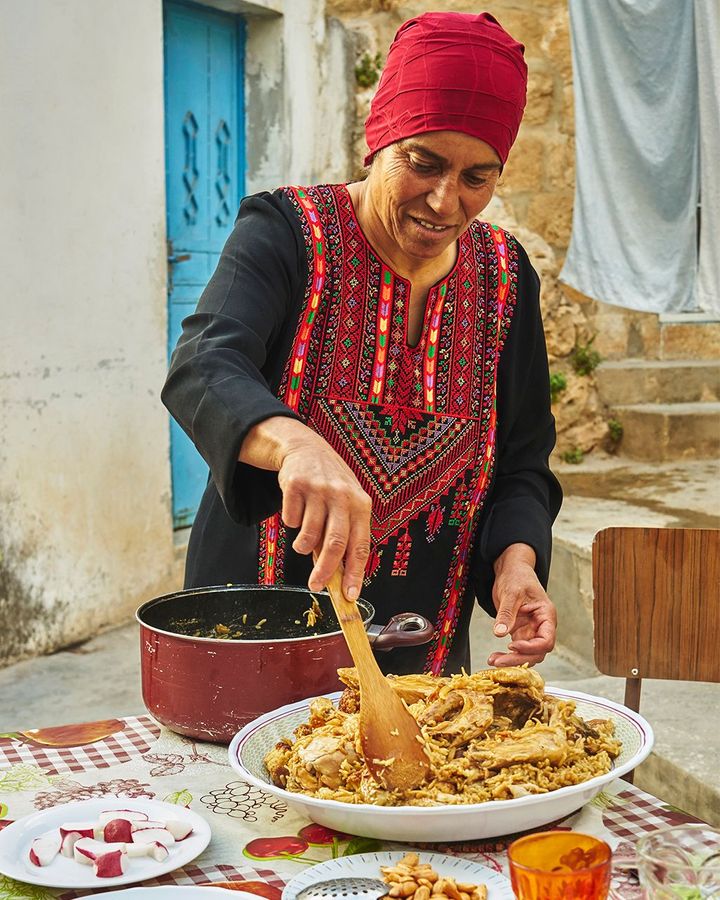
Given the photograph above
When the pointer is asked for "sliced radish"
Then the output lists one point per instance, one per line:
(44, 849)
(150, 835)
(178, 829)
(159, 852)
(131, 815)
(142, 826)
(117, 830)
(136, 850)
(68, 841)
(88, 850)
(110, 864)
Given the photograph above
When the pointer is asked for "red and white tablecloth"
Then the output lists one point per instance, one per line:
(256, 839)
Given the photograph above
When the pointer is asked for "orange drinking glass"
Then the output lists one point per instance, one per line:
(560, 865)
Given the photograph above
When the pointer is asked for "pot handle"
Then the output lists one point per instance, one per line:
(403, 630)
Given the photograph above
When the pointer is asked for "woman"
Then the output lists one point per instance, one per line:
(366, 373)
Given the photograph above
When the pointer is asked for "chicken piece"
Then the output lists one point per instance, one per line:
(516, 706)
(532, 744)
(350, 701)
(460, 716)
(409, 688)
(321, 711)
(276, 762)
(518, 676)
(324, 755)
(412, 688)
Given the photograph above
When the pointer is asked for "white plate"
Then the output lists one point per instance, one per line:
(367, 865)
(470, 821)
(170, 892)
(15, 841)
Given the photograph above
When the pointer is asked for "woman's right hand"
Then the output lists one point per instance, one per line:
(321, 497)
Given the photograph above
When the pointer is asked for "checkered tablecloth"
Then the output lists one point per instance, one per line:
(135, 757)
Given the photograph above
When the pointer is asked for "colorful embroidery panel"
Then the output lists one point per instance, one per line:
(417, 424)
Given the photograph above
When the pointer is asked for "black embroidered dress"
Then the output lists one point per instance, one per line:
(450, 437)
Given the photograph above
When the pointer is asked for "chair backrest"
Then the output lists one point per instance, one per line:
(657, 605)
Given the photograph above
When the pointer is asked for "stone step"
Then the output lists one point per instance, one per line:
(634, 381)
(692, 336)
(667, 431)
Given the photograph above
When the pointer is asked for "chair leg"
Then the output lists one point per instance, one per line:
(632, 693)
(632, 701)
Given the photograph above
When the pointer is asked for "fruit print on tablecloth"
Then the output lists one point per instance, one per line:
(240, 800)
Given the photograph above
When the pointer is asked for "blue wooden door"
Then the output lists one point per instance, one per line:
(205, 164)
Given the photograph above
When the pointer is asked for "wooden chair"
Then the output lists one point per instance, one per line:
(656, 605)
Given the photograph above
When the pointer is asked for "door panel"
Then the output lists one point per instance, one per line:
(204, 140)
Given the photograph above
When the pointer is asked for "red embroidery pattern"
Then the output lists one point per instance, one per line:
(271, 530)
(402, 554)
(430, 360)
(383, 329)
(447, 622)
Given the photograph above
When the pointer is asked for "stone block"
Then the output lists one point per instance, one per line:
(660, 432)
(560, 164)
(550, 214)
(525, 166)
(658, 381)
(690, 340)
(541, 93)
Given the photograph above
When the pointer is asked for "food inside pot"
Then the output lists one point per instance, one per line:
(246, 614)
(242, 627)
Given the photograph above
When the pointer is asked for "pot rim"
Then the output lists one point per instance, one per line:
(368, 609)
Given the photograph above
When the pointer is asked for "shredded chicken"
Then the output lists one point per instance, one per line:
(492, 735)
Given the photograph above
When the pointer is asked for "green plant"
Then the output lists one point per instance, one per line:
(367, 70)
(574, 456)
(615, 430)
(558, 383)
(584, 358)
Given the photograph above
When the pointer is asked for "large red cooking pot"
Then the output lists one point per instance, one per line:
(261, 654)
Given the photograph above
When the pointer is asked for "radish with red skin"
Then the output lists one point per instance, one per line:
(159, 852)
(143, 826)
(117, 830)
(44, 849)
(178, 829)
(71, 832)
(131, 815)
(150, 835)
(88, 850)
(110, 864)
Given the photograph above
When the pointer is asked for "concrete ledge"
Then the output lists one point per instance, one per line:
(658, 381)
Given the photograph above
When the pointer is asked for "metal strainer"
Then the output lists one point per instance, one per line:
(339, 888)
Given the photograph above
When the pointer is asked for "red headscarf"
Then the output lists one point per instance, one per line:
(448, 71)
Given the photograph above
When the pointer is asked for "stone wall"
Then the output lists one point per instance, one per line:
(535, 194)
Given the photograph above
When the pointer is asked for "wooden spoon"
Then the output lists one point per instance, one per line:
(388, 730)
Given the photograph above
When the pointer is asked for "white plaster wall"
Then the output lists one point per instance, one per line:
(85, 496)
(85, 529)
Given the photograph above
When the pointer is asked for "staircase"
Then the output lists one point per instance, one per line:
(669, 405)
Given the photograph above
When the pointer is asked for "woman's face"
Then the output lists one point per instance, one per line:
(424, 192)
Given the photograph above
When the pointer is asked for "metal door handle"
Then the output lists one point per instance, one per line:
(178, 259)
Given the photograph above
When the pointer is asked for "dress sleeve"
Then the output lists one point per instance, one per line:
(525, 496)
(229, 357)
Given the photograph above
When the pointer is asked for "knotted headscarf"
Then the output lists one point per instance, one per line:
(449, 71)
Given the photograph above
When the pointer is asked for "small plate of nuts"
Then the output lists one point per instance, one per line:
(411, 875)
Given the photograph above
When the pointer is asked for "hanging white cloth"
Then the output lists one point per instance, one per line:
(634, 233)
(707, 35)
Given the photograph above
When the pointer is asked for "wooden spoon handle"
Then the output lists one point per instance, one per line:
(352, 627)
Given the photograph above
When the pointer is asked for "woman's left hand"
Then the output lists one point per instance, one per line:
(524, 610)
